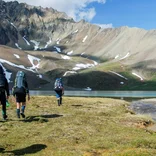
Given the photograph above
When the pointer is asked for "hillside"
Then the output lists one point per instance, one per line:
(65, 46)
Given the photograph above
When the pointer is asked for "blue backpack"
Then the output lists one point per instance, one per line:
(58, 85)
(20, 83)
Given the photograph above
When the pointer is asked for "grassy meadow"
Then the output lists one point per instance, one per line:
(80, 127)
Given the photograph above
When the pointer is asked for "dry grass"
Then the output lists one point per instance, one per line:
(81, 126)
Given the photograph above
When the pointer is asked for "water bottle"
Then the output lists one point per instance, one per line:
(7, 103)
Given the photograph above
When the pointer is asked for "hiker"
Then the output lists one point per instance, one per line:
(4, 92)
(59, 89)
(20, 91)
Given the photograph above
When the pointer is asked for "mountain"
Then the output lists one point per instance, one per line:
(85, 55)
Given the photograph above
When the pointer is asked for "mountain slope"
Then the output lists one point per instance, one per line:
(62, 47)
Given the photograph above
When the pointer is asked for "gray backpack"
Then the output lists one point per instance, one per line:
(20, 82)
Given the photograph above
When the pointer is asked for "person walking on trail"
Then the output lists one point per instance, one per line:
(4, 92)
(59, 89)
(20, 92)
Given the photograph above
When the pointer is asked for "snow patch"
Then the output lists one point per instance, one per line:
(36, 44)
(58, 41)
(15, 65)
(69, 53)
(118, 75)
(17, 56)
(48, 43)
(95, 63)
(125, 56)
(16, 44)
(75, 31)
(32, 59)
(13, 25)
(82, 53)
(83, 66)
(138, 76)
(84, 39)
(116, 56)
(69, 72)
(65, 57)
(58, 49)
(40, 76)
(26, 41)
(88, 89)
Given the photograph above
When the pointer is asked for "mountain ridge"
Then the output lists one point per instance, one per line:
(64, 45)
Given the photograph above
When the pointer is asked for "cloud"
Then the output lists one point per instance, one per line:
(87, 14)
(104, 26)
(77, 9)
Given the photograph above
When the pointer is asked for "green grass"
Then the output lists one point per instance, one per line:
(80, 127)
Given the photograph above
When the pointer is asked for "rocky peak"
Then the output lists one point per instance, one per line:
(19, 20)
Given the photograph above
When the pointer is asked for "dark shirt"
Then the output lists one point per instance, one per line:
(7, 87)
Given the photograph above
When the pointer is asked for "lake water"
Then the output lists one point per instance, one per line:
(118, 94)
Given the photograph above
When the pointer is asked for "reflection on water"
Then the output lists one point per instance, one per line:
(120, 94)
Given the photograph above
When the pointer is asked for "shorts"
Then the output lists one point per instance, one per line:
(20, 97)
(58, 94)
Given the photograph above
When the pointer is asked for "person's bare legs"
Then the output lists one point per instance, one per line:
(18, 109)
(22, 109)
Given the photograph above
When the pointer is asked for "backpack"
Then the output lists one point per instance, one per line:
(20, 82)
(2, 81)
(58, 86)
(2, 78)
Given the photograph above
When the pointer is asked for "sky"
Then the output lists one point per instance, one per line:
(106, 13)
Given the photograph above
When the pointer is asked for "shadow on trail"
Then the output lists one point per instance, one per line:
(2, 149)
(41, 118)
(28, 150)
(76, 105)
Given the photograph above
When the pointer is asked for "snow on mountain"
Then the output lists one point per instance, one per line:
(48, 43)
(15, 65)
(17, 56)
(118, 74)
(66, 57)
(16, 44)
(83, 66)
(36, 46)
(69, 53)
(69, 72)
(58, 41)
(26, 40)
(13, 25)
(84, 39)
(32, 59)
(125, 56)
(95, 63)
(75, 31)
(58, 49)
(138, 76)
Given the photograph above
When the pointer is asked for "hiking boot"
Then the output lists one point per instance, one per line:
(58, 101)
(61, 101)
(18, 115)
(5, 117)
(23, 115)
